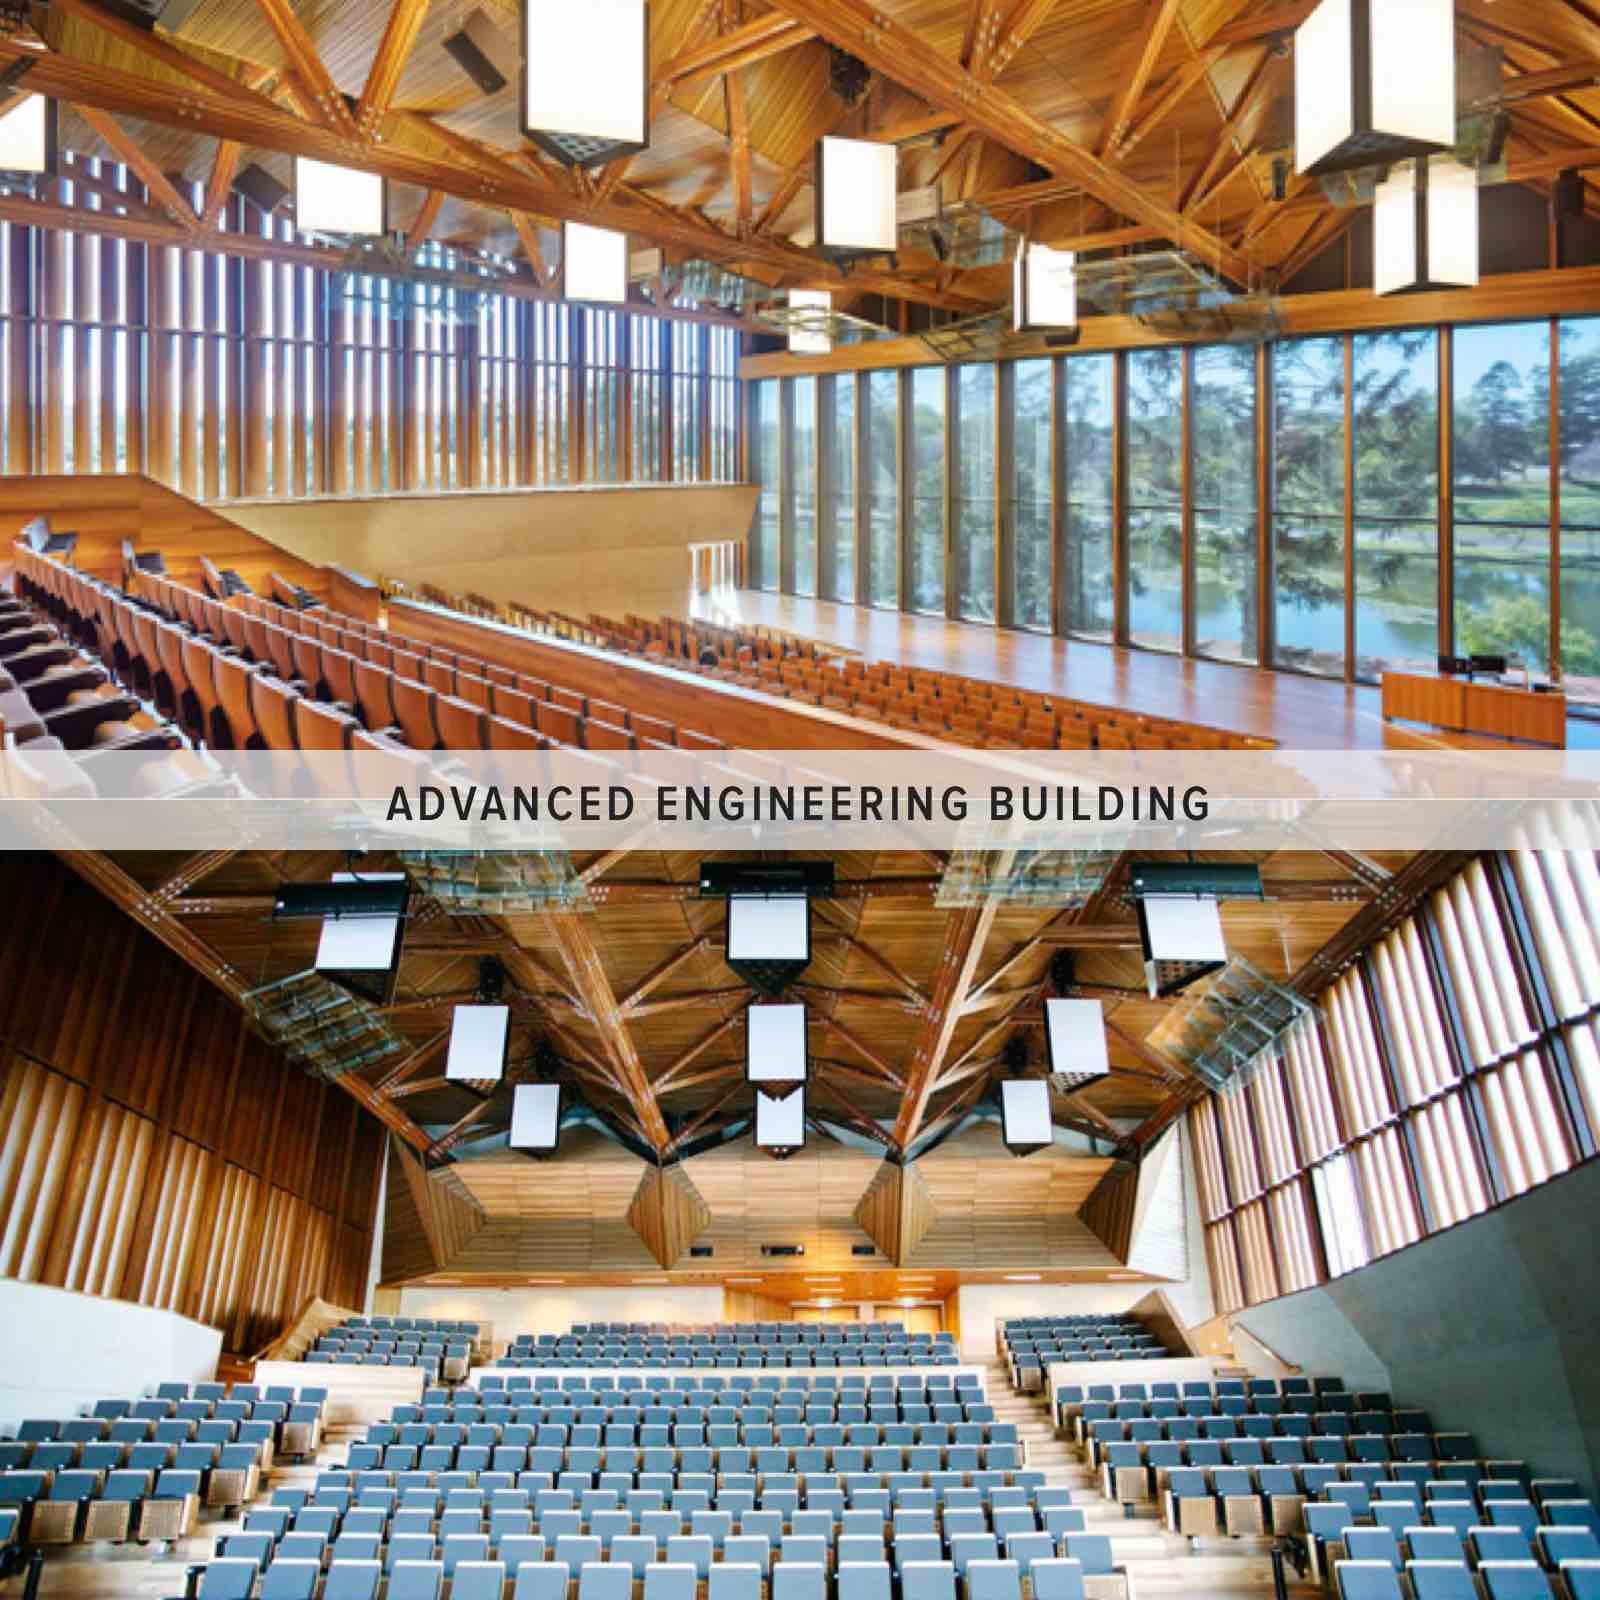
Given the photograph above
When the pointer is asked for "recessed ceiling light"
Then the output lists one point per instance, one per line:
(1124, 1274)
(544, 1283)
(824, 1280)
(656, 1282)
(742, 1280)
(1022, 1277)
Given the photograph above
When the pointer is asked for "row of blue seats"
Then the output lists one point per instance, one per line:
(718, 1435)
(845, 1414)
(421, 1324)
(630, 1459)
(822, 1383)
(351, 1579)
(775, 1360)
(1453, 1580)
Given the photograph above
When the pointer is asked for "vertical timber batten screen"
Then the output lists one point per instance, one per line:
(229, 376)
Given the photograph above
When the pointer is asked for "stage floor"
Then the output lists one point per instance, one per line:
(1301, 713)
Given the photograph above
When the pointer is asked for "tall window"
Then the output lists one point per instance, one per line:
(688, 392)
(1089, 448)
(1395, 410)
(881, 483)
(765, 455)
(1452, 1067)
(724, 403)
(927, 490)
(1501, 378)
(1223, 474)
(1578, 401)
(839, 485)
(1308, 505)
(1030, 496)
(647, 351)
(1155, 498)
(974, 531)
(800, 484)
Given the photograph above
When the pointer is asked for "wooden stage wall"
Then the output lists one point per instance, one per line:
(150, 1149)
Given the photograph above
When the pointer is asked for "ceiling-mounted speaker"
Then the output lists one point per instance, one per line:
(260, 188)
(768, 939)
(1566, 193)
(1025, 1115)
(482, 52)
(586, 79)
(536, 1116)
(363, 919)
(1063, 970)
(1016, 1054)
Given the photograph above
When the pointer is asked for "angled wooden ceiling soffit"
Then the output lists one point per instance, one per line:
(1096, 123)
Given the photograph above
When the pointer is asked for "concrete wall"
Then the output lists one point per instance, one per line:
(575, 550)
(1490, 1326)
(61, 1351)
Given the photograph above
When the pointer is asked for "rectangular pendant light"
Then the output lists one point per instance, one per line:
(28, 136)
(535, 1116)
(775, 1044)
(1025, 1115)
(1075, 1036)
(594, 264)
(586, 78)
(342, 200)
(1425, 227)
(855, 192)
(478, 1039)
(1044, 291)
(808, 341)
(781, 1121)
(1374, 81)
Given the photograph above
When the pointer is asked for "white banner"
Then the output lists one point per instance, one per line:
(795, 800)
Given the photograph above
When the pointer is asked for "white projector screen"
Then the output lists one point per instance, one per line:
(1183, 928)
(781, 1124)
(1075, 1032)
(535, 1116)
(586, 68)
(478, 1042)
(775, 1044)
(25, 135)
(1025, 1111)
(856, 196)
(762, 929)
(1045, 288)
(359, 944)
(330, 199)
(594, 264)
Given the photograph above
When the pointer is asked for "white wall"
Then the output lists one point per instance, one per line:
(60, 1351)
(375, 1263)
(514, 1311)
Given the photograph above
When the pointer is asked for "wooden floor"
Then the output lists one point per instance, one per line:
(1301, 713)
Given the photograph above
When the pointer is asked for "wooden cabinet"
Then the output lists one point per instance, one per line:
(1495, 710)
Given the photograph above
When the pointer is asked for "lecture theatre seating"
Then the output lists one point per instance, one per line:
(142, 1469)
(727, 1345)
(1032, 1344)
(1365, 1491)
(973, 712)
(442, 1349)
(249, 674)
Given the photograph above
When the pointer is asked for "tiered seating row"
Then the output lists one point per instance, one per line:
(779, 1344)
(942, 705)
(142, 1468)
(1032, 1344)
(682, 1534)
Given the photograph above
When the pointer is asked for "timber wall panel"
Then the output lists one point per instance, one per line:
(150, 1149)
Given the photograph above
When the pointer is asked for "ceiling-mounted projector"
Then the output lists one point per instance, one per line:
(1180, 922)
(814, 879)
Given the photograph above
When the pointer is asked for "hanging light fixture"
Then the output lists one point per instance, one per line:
(586, 78)
(339, 200)
(1425, 227)
(594, 264)
(28, 137)
(810, 338)
(1044, 295)
(1374, 80)
(855, 192)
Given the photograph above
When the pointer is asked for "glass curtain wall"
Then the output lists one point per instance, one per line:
(838, 535)
(1223, 474)
(1501, 490)
(1578, 404)
(927, 451)
(1088, 556)
(1031, 497)
(800, 484)
(1308, 536)
(881, 484)
(974, 531)
(1155, 498)
(765, 456)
